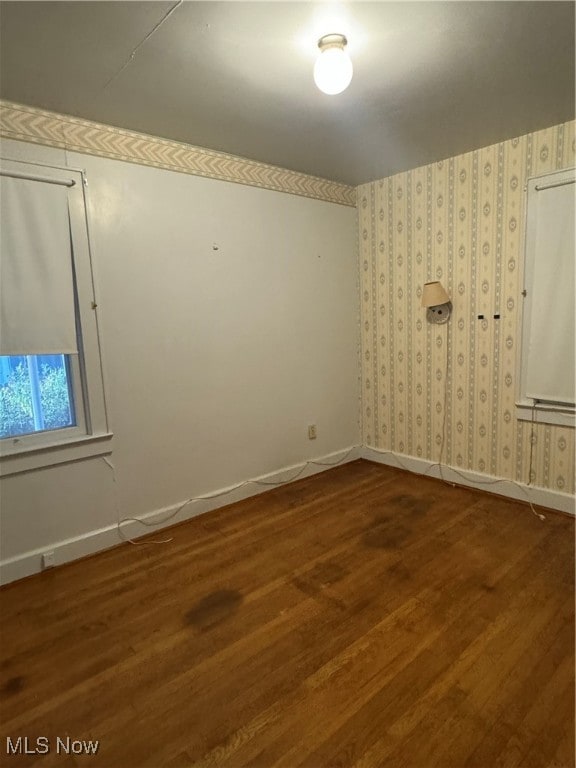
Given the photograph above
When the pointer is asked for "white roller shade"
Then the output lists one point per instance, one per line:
(550, 295)
(37, 312)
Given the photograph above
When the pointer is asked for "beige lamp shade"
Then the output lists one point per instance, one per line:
(434, 294)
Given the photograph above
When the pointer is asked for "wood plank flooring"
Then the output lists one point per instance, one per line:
(361, 617)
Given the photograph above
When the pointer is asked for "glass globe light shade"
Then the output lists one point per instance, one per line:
(333, 70)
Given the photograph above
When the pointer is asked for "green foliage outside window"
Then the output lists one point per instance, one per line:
(16, 414)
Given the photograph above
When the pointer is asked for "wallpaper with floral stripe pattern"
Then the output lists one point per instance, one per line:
(460, 221)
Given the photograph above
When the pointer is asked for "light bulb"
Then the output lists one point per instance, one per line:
(333, 69)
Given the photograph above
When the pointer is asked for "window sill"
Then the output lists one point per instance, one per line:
(546, 414)
(27, 459)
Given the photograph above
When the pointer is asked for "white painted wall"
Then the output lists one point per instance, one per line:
(229, 318)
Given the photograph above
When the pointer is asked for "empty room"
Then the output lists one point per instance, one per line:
(287, 384)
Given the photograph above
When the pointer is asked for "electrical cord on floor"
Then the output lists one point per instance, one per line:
(532, 440)
(442, 466)
(207, 497)
(469, 480)
(445, 409)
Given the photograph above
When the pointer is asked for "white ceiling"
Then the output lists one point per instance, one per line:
(431, 79)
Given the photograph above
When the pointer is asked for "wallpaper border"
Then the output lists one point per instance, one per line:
(24, 123)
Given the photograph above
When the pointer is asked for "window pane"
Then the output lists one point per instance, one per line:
(35, 394)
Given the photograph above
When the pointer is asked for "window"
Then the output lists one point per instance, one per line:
(52, 406)
(547, 381)
(35, 394)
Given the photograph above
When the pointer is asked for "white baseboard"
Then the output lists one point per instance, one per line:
(543, 497)
(67, 550)
(89, 543)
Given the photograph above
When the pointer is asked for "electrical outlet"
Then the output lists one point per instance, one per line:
(312, 432)
(48, 560)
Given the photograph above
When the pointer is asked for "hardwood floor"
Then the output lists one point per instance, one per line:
(361, 617)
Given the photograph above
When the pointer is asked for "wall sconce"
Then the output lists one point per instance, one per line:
(333, 69)
(437, 303)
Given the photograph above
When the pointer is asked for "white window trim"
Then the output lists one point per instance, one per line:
(527, 409)
(39, 457)
(545, 413)
(91, 435)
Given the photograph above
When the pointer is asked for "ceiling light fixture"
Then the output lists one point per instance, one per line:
(333, 69)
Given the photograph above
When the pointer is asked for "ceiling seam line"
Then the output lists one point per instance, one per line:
(141, 43)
